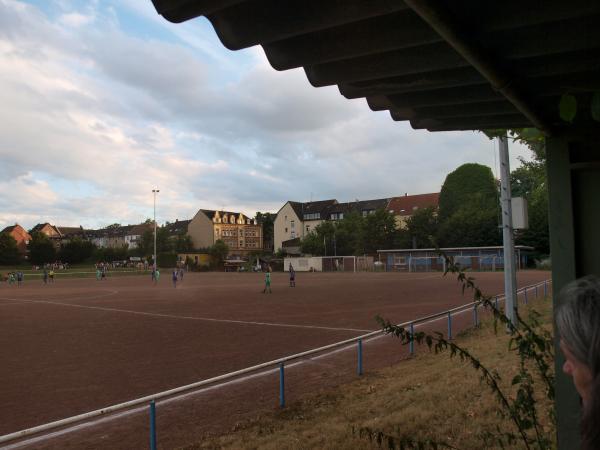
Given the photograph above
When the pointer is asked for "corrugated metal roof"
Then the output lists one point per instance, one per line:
(384, 51)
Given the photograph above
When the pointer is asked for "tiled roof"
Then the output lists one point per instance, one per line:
(407, 205)
(359, 205)
(66, 231)
(178, 227)
(442, 65)
(40, 226)
(320, 206)
(8, 229)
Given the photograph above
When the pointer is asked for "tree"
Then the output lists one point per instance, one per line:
(349, 234)
(469, 208)
(312, 244)
(537, 235)
(422, 228)
(9, 252)
(163, 243)
(267, 220)
(379, 230)
(529, 181)
(470, 183)
(111, 253)
(76, 251)
(183, 243)
(41, 249)
(218, 252)
(146, 243)
(344, 237)
(471, 226)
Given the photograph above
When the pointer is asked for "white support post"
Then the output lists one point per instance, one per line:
(510, 275)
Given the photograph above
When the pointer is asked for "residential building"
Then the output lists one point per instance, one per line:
(241, 234)
(133, 234)
(404, 207)
(362, 207)
(20, 235)
(51, 231)
(69, 233)
(48, 229)
(296, 219)
(113, 236)
(179, 227)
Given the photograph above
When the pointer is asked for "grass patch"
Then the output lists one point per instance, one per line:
(426, 397)
(79, 271)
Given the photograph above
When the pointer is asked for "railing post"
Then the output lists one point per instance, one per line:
(525, 292)
(411, 345)
(536, 291)
(360, 362)
(449, 326)
(496, 303)
(545, 289)
(281, 385)
(152, 425)
(475, 318)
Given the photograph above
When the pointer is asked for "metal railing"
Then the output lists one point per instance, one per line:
(280, 362)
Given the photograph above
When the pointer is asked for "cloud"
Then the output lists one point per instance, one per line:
(75, 20)
(102, 105)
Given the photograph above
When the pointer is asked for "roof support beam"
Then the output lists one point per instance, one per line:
(444, 24)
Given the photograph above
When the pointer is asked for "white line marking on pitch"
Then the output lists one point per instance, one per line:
(205, 319)
(183, 396)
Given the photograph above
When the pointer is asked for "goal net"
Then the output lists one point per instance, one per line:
(338, 263)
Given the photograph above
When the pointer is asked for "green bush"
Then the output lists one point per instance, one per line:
(167, 259)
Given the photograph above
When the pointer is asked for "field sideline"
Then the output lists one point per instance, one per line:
(82, 344)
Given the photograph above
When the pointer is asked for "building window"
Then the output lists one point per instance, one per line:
(336, 216)
(286, 230)
(312, 216)
(293, 234)
(308, 228)
(292, 224)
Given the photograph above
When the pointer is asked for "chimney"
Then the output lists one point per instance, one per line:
(406, 194)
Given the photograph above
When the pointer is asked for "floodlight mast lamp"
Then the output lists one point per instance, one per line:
(155, 191)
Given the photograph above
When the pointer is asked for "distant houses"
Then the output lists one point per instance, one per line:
(297, 219)
(243, 235)
(20, 235)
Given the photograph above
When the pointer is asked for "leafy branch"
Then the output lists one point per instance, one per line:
(527, 339)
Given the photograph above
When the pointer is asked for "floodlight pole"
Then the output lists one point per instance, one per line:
(155, 191)
(510, 275)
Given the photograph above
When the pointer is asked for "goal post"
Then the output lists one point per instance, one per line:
(338, 263)
(426, 264)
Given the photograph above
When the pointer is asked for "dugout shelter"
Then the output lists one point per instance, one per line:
(471, 258)
(449, 65)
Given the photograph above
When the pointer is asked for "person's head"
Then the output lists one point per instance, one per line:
(578, 324)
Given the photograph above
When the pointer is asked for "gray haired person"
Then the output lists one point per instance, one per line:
(578, 323)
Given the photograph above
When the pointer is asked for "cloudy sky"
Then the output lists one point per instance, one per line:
(103, 101)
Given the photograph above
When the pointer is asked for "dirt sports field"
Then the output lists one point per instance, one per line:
(78, 345)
